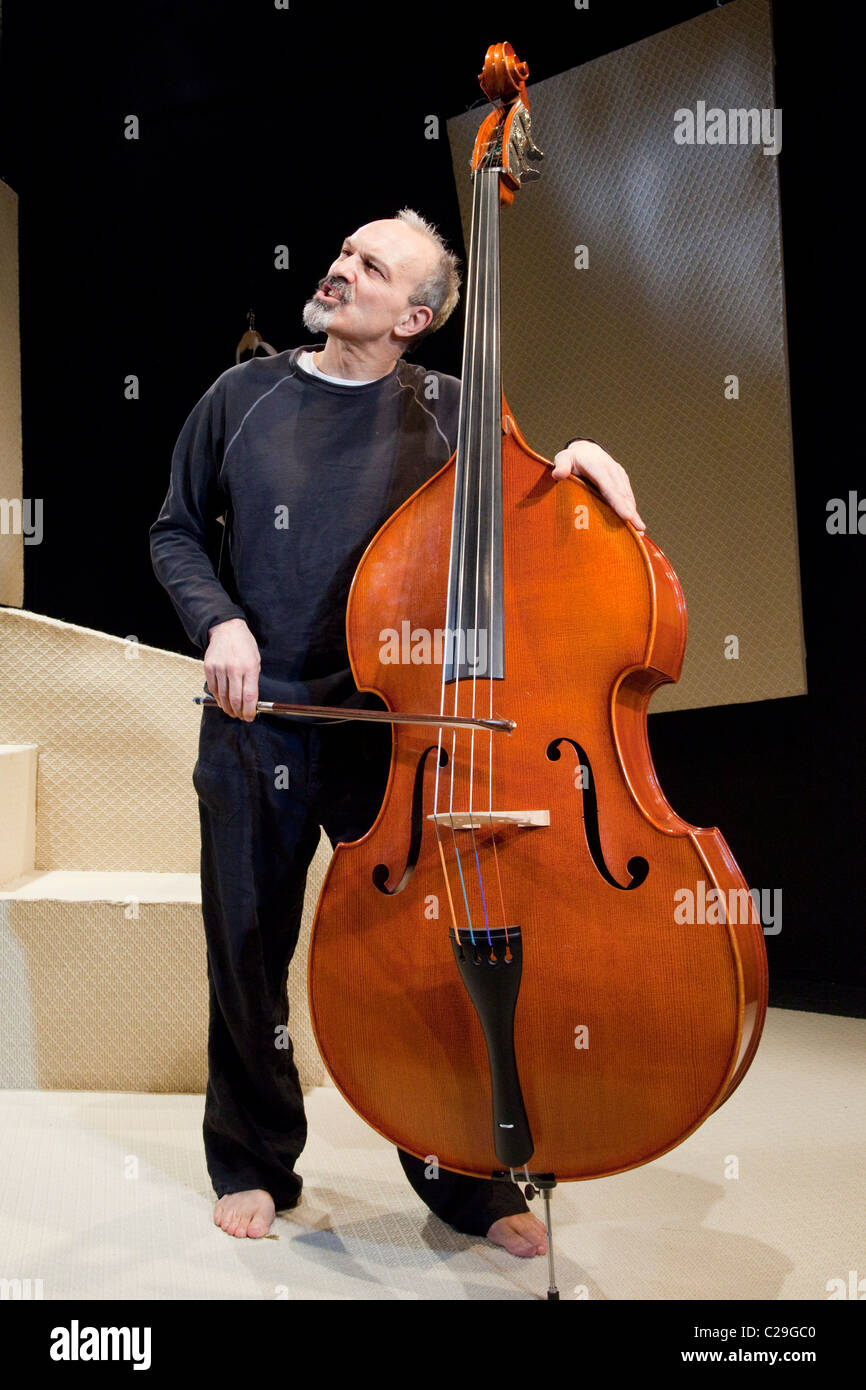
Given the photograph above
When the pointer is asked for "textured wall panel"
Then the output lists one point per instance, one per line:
(684, 286)
(117, 744)
(117, 734)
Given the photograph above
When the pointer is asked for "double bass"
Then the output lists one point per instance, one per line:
(498, 977)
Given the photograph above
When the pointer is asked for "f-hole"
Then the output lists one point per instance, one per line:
(637, 866)
(381, 872)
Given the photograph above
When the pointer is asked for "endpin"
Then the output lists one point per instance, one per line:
(543, 1183)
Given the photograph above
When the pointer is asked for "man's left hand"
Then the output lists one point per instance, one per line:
(585, 459)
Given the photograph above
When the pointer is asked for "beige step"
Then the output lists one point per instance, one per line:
(103, 984)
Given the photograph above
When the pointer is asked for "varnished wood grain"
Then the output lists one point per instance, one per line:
(595, 620)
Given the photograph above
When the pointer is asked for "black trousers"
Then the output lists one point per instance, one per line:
(265, 788)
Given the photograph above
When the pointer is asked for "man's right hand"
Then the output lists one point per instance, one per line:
(231, 665)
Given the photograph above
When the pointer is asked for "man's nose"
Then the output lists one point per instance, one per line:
(344, 268)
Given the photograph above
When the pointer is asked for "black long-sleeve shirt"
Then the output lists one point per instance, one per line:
(304, 472)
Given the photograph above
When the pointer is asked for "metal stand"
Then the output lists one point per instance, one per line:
(552, 1291)
(543, 1183)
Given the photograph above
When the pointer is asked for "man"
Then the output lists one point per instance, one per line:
(303, 456)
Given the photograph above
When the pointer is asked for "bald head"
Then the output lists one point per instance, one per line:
(391, 280)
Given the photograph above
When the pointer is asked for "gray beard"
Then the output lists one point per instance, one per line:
(317, 316)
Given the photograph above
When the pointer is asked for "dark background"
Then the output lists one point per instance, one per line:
(260, 127)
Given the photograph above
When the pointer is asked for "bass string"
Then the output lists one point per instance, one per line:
(496, 495)
(487, 455)
(488, 343)
(466, 403)
(483, 305)
(492, 455)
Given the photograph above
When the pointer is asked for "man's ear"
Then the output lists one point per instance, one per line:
(418, 317)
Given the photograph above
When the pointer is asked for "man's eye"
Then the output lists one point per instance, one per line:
(374, 267)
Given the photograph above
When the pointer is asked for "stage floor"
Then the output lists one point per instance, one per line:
(106, 1196)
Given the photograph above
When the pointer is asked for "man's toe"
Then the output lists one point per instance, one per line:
(521, 1245)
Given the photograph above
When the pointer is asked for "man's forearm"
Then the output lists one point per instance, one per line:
(186, 572)
(182, 536)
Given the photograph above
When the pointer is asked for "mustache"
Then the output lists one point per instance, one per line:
(335, 285)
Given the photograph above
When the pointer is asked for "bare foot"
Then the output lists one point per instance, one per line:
(245, 1213)
(521, 1234)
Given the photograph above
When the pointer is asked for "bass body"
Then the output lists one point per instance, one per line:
(630, 1027)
